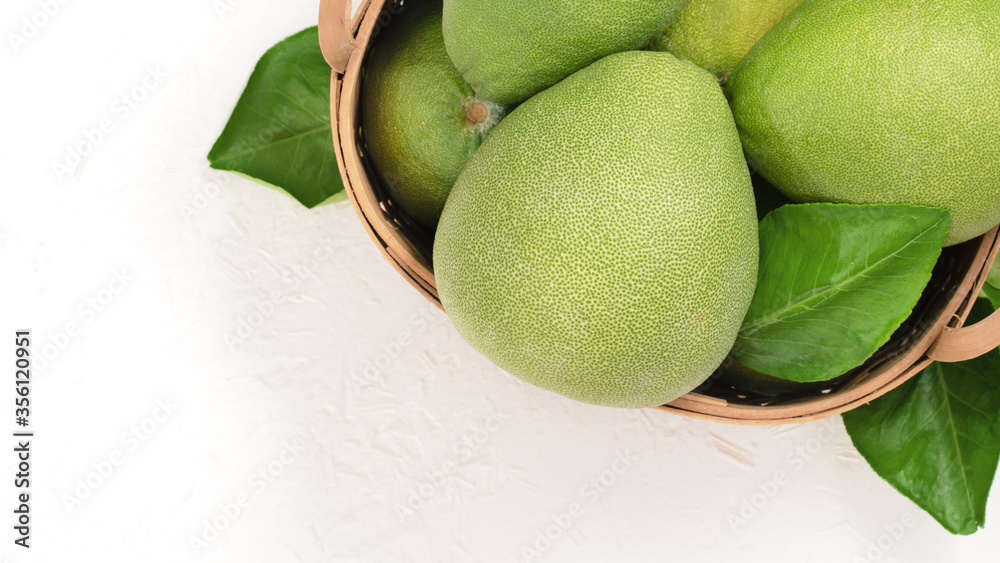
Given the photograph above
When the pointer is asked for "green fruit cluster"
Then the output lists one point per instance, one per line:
(600, 239)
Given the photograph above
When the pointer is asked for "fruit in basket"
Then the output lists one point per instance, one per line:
(879, 102)
(602, 242)
(421, 121)
(614, 299)
(511, 49)
(716, 34)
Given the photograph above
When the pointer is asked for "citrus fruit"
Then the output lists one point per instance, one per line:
(421, 121)
(716, 34)
(879, 102)
(602, 242)
(511, 49)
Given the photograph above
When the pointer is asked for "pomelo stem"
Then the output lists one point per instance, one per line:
(476, 113)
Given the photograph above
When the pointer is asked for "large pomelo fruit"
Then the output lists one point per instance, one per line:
(879, 101)
(422, 122)
(510, 49)
(602, 242)
(716, 34)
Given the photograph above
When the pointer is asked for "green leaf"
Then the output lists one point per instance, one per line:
(991, 294)
(993, 278)
(936, 438)
(834, 282)
(279, 133)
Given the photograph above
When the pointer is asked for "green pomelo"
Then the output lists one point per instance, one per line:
(421, 121)
(602, 242)
(716, 34)
(879, 101)
(510, 49)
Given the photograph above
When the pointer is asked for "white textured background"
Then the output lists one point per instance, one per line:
(350, 421)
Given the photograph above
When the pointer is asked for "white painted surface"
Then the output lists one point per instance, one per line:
(497, 461)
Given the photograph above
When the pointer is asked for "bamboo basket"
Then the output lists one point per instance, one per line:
(934, 331)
